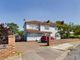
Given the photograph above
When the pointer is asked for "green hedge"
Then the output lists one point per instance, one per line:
(74, 36)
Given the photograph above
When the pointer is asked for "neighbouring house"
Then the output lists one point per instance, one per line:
(34, 30)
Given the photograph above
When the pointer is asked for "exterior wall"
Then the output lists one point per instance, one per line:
(51, 29)
(41, 28)
(11, 40)
(31, 26)
(54, 31)
(61, 41)
(10, 49)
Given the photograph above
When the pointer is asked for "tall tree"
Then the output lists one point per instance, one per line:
(13, 27)
(77, 30)
(64, 29)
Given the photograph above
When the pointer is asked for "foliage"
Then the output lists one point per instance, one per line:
(74, 36)
(48, 21)
(20, 33)
(3, 30)
(64, 28)
(18, 53)
(77, 30)
(13, 27)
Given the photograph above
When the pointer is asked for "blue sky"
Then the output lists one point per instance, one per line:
(17, 10)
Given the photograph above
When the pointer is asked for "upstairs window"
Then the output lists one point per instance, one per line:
(31, 26)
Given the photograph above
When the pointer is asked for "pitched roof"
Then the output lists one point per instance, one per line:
(34, 22)
(41, 23)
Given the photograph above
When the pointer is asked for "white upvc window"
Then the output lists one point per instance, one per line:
(31, 26)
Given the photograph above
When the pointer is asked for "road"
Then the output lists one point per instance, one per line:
(74, 54)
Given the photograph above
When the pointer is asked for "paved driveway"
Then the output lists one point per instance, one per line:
(26, 46)
(33, 51)
(42, 54)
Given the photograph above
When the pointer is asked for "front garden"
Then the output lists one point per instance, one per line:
(68, 30)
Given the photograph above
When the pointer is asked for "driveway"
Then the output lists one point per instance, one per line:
(26, 46)
(33, 51)
(42, 54)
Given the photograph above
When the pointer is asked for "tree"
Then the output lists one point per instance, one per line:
(77, 30)
(4, 32)
(48, 21)
(64, 29)
(20, 33)
(13, 27)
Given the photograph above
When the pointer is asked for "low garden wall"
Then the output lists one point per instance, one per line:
(55, 42)
(10, 49)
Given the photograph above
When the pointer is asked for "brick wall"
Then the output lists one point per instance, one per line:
(55, 42)
(10, 50)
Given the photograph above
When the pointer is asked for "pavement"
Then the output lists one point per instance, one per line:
(74, 54)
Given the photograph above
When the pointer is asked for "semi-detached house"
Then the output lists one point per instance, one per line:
(34, 30)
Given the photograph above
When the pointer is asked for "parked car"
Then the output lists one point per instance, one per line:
(45, 38)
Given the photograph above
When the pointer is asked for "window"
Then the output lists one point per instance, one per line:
(32, 34)
(47, 27)
(31, 26)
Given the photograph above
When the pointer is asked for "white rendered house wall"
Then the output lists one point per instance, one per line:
(54, 31)
(50, 29)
